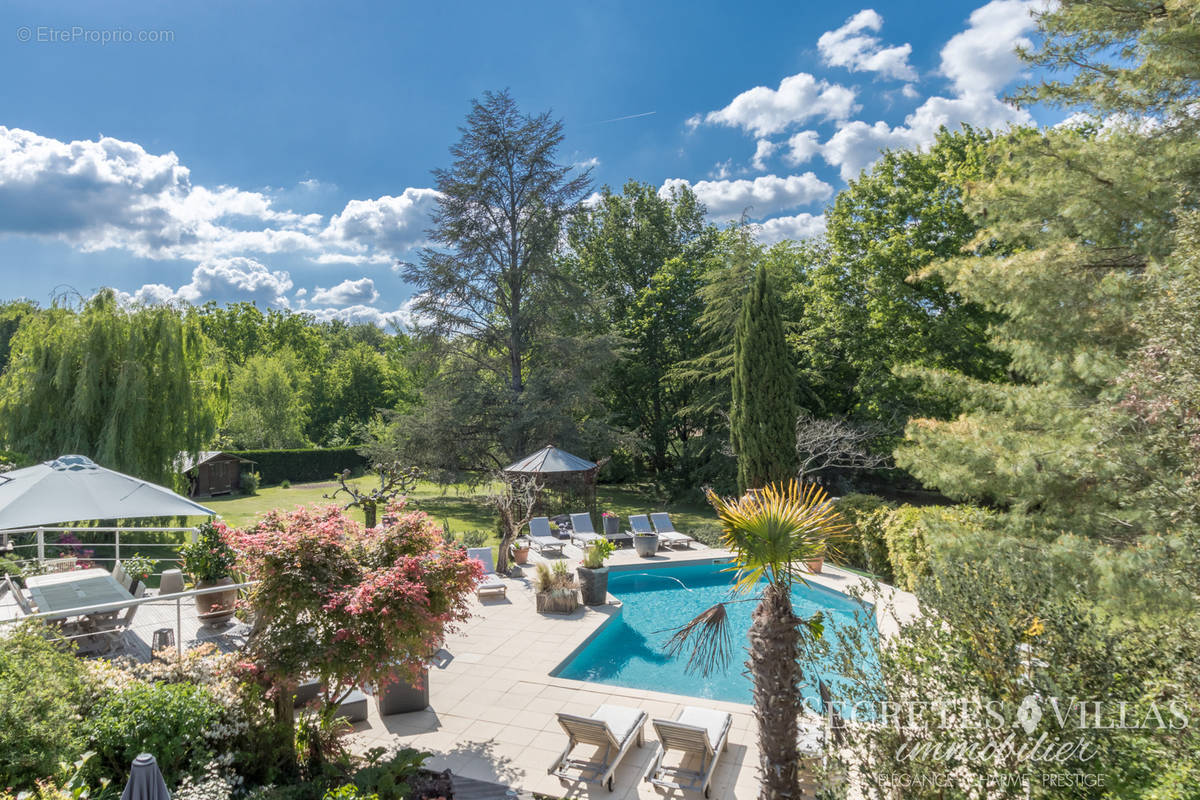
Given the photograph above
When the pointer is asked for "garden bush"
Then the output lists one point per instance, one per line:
(41, 684)
(914, 536)
(174, 721)
(303, 465)
(863, 546)
(250, 482)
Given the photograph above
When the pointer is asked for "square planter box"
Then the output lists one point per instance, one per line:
(401, 697)
(556, 602)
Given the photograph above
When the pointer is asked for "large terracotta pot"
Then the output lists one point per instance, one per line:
(217, 608)
(815, 565)
(593, 585)
(521, 553)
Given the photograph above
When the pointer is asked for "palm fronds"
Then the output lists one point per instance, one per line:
(709, 638)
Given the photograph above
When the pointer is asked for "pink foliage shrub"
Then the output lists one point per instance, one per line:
(350, 605)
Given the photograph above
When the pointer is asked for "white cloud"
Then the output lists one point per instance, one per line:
(910, 91)
(111, 194)
(801, 147)
(762, 151)
(761, 197)
(362, 314)
(979, 61)
(346, 293)
(851, 46)
(800, 226)
(225, 280)
(982, 58)
(764, 111)
(390, 224)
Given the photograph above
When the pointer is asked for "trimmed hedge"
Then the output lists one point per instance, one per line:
(303, 466)
(863, 546)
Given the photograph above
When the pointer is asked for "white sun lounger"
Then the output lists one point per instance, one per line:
(697, 732)
(490, 583)
(667, 533)
(582, 532)
(613, 728)
(640, 523)
(541, 538)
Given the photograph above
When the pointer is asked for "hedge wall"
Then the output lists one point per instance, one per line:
(302, 466)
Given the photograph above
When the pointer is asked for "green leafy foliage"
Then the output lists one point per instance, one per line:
(303, 465)
(128, 387)
(267, 402)
(42, 684)
(170, 720)
(595, 555)
(210, 557)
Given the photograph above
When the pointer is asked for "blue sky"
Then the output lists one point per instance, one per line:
(281, 152)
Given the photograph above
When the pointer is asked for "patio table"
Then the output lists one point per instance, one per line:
(66, 591)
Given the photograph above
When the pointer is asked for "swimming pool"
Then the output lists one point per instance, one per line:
(630, 649)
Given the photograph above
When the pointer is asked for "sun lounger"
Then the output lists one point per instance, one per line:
(699, 732)
(22, 602)
(490, 583)
(613, 728)
(640, 523)
(667, 533)
(582, 532)
(541, 538)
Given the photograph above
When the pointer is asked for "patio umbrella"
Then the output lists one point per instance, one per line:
(74, 489)
(145, 781)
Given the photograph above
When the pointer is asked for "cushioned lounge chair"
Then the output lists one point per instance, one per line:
(614, 728)
(542, 539)
(490, 583)
(667, 533)
(698, 732)
(640, 523)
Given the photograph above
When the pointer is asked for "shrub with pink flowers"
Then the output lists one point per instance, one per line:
(347, 604)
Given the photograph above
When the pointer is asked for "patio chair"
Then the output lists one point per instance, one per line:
(66, 564)
(699, 732)
(109, 630)
(23, 603)
(542, 539)
(667, 533)
(640, 523)
(582, 532)
(490, 583)
(121, 576)
(613, 728)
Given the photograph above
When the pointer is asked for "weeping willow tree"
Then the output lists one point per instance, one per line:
(128, 387)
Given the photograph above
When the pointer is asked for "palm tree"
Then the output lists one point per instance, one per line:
(771, 532)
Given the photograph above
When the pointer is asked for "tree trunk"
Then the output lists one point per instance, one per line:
(774, 666)
(369, 514)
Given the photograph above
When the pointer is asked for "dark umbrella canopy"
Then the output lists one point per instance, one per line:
(549, 460)
(145, 781)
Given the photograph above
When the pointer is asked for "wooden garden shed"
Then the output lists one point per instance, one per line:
(212, 472)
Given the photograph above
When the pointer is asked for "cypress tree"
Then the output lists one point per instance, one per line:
(762, 417)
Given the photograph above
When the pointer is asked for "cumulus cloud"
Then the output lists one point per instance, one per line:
(802, 146)
(225, 280)
(800, 226)
(982, 58)
(111, 194)
(761, 197)
(362, 314)
(762, 151)
(390, 224)
(763, 111)
(979, 61)
(346, 293)
(852, 46)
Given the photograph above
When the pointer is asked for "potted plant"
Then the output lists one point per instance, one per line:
(646, 544)
(556, 591)
(209, 561)
(520, 550)
(593, 575)
(139, 568)
(612, 523)
(817, 562)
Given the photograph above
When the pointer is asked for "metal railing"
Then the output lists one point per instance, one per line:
(110, 608)
(38, 542)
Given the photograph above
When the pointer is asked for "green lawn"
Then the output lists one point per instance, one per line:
(459, 507)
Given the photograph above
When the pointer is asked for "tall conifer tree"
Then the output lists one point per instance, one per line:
(762, 417)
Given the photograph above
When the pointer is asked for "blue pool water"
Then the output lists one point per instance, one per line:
(630, 649)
